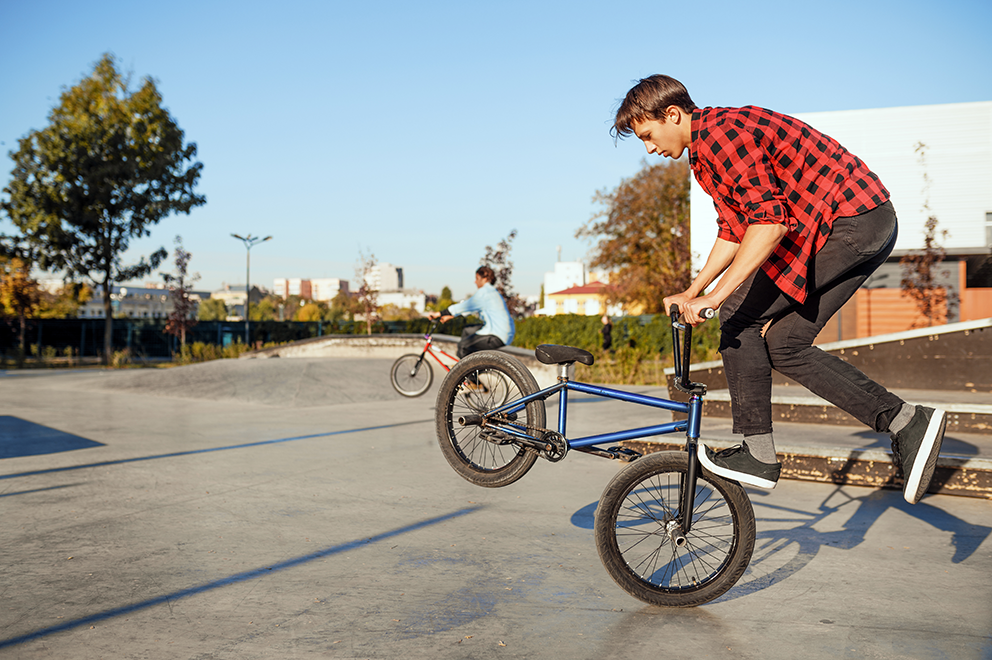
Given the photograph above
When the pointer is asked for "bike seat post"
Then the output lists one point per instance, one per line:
(563, 397)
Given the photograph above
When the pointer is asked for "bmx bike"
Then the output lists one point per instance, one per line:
(668, 531)
(411, 374)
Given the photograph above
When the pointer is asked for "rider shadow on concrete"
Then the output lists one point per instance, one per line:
(781, 552)
(19, 437)
(798, 545)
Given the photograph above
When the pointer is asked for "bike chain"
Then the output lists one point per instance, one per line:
(561, 447)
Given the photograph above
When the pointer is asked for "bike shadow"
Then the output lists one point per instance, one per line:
(780, 553)
(787, 538)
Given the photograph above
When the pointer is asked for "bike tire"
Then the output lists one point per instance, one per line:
(478, 458)
(637, 551)
(409, 378)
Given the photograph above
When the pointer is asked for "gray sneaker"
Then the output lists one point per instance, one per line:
(916, 448)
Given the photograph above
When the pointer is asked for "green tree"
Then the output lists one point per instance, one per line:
(343, 307)
(267, 309)
(643, 237)
(110, 164)
(443, 301)
(212, 309)
(65, 302)
(311, 311)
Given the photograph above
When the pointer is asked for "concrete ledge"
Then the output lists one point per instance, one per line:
(392, 346)
(966, 416)
(955, 475)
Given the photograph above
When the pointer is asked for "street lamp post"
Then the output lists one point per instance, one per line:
(249, 242)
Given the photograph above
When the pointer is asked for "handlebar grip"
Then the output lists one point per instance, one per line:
(706, 312)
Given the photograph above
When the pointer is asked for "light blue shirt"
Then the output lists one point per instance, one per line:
(487, 302)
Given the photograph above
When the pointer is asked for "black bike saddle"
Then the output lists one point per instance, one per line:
(555, 354)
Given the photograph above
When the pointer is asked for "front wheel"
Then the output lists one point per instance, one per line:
(411, 375)
(479, 383)
(638, 533)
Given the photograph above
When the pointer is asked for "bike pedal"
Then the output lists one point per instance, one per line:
(625, 454)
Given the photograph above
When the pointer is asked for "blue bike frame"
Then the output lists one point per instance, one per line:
(690, 425)
(693, 409)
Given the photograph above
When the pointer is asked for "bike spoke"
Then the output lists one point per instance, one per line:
(646, 547)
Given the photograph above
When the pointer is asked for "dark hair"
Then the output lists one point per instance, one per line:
(649, 99)
(487, 273)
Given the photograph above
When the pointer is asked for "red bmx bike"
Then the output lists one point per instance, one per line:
(412, 374)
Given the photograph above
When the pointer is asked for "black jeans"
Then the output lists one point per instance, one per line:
(855, 248)
(472, 342)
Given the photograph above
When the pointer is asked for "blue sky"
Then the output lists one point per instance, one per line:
(424, 131)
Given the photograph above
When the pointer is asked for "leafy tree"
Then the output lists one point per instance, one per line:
(212, 309)
(110, 164)
(643, 237)
(267, 309)
(180, 289)
(65, 302)
(19, 294)
(920, 269)
(439, 302)
(343, 306)
(368, 296)
(498, 259)
(312, 311)
(391, 312)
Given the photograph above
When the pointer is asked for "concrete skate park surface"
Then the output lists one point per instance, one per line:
(299, 508)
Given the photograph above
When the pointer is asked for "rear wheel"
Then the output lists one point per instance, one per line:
(411, 375)
(477, 384)
(638, 533)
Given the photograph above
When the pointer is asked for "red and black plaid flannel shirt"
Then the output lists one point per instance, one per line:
(761, 167)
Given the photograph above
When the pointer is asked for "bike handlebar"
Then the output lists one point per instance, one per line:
(705, 312)
(682, 353)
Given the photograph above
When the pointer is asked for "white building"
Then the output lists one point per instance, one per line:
(403, 299)
(136, 302)
(958, 139)
(234, 294)
(565, 275)
(293, 286)
(385, 277)
(326, 288)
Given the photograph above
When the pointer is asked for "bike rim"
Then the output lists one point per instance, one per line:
(645, 527)
(471, 441)
(412, 378)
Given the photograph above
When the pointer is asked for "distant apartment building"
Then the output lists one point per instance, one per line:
(322, 289)
(295, 286)
(327, 288)
(385, 277)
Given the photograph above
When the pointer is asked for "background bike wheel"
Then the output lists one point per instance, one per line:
(477, 384)
(408, 378)
(632, 521)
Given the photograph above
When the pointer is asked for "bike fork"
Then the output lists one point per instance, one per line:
(687, 486)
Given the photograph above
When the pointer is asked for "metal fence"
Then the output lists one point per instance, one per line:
(147, 338)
